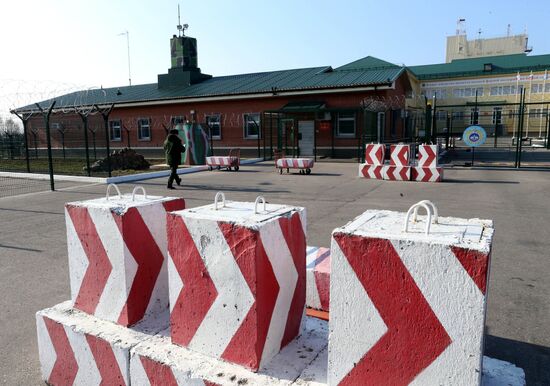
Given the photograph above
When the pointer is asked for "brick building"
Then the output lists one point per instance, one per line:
(310, 111)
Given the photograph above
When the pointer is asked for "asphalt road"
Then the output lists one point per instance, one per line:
(33, 255)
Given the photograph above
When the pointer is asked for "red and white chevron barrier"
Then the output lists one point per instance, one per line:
(294, 163)
(318, 278)
(397, 173)
(375, 172)
(419, 299)
(159, 362)
(420, 174)
(428, 156)
(79, 349)
(240, 268)
(117, 248)
(222, 161)
(399, 155)
(375, 154)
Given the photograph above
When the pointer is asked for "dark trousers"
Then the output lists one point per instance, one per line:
(173, 175)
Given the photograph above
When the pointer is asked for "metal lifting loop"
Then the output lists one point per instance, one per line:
(411, 210)
(135, 191)
(258, 199)
(434, 210)
(216, 199)
(107, 196)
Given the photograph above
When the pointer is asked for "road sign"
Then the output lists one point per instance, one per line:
(474, 136)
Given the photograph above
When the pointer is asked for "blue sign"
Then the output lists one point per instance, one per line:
(474, 136)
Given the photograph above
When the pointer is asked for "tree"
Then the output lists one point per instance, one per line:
(11, 137)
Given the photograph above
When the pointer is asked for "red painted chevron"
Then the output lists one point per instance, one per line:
(295, 238)
(173, 205)
(99, 267)
(427, 156)
(105, 361)
(198, 293)
(157, 373)
(476, 264)
(374, 154)
(415, 337)
(65, 368)
(399, 155)
(246, 246)
(322, 282)
(149, 259)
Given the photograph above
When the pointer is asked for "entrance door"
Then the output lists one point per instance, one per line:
(306, 137)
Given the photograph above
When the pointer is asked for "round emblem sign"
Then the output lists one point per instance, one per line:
(474, 136)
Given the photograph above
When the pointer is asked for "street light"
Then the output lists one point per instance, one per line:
(128, 45)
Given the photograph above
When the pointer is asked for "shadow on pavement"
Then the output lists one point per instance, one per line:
(532, 358)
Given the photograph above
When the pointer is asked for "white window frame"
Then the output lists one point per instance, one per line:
(339, 118)
(246, 121)
(112, 123)
(218, 116)
(140, 128)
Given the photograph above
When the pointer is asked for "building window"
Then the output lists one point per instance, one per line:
(437, 93)
(213, 121)
(467, 92)
(115, 132)
(537, 88)
(345, 125)
(176, 120)
(474, 116)
(497, 116)
(458, 116)
(441, 115)
(505, 90)
(144, 129)
(251, 125)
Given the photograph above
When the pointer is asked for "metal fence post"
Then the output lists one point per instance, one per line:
(46, 115)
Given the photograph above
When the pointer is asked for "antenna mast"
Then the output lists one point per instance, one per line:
(181, 28)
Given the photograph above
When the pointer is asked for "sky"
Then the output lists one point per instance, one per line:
(50, 47)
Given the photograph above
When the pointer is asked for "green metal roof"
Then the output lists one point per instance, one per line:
(368, 62)
(504, 64)
(316, 78)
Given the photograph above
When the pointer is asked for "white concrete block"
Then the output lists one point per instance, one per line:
(240, 268)
(408, 307)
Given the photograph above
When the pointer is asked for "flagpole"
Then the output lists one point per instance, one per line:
(517, 110)
(542, 100)
(529, 106)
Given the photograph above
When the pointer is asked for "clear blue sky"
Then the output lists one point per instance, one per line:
(64, 43)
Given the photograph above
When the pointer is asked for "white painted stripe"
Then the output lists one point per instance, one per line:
(175, 283)
(138, 376)
(355, 326)
(312, 295)
(78, 261)
(234, 298)
(88, 374)
(154, 217)
(458, 304)
(115, 294)
(285, 272)
(121, 357)
(46, 351)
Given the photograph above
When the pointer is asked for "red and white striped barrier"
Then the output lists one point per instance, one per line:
(318, 278)
(159, 362)
(427, 156)
(419, 299)
(397, 173)
(375, 172)
(222, 161)
(399, 155)
(117, 248)
(240, 267)
(295, 163)
(420, 174)
(79, 349)
(375, 154)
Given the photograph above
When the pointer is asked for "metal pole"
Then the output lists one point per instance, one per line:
(84, 118)
(547, 129)
(48, 139)
(105, 114)
(520, 129)
(25, 119)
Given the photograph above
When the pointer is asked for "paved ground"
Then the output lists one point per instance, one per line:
(33, 256)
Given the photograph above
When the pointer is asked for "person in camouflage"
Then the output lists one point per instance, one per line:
(173, 147)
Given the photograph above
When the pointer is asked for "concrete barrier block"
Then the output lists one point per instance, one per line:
(421, 174)
(375, 154)
(237, 279)
(160, 362)
(117, 248)
(397, 173)
(399, 155)
(318, 278)
(79, 349)
(375, 172)
(428, 156)
(408, 307)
